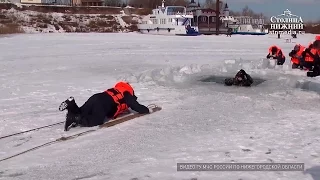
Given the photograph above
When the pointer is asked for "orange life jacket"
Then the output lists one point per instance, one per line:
(309, 58)
(278, 51)
(117, 94)
(295, 60)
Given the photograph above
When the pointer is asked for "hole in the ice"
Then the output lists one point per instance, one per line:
(220, 80)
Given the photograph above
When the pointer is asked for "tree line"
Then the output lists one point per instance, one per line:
(151, 4)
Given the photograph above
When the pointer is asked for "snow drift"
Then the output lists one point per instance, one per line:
(262, 70)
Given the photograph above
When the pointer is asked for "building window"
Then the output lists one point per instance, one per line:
(162, 21)
(154, 21)
(203, 19)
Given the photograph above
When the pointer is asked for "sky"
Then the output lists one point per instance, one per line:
(307, 9)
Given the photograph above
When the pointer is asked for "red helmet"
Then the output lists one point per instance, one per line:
(317, 37)
(124, 85)
(274, 49)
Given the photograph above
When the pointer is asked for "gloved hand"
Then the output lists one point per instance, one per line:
(150, 110)
(151, 107)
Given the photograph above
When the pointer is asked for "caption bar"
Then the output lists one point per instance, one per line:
(240, 166)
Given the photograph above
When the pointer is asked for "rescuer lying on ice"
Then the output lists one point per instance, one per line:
(312, 59)
(296, 56)
(241, 79)
(109, 103)
(276, 53)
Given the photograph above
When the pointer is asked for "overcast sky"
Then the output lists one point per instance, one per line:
(307, 9)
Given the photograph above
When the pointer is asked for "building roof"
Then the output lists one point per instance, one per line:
(207, 10)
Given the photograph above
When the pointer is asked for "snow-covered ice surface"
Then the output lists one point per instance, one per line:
(276, 121)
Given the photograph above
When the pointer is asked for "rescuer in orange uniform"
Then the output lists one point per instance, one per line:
(296, 56)
(276, 53)
(109, 103)
(312, 59)
(310, 45)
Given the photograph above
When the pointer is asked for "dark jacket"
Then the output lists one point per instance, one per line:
(293, 53)
(278, 56)
(242, 79)
(131, 101)
(101, 105)
(314, 56)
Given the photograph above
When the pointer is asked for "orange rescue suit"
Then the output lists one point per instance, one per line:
(294, 59)
(309, 58)
(117, 93)
(278, 51)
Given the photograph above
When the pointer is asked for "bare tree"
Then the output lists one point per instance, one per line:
(246, 11)
(156, 3)
(177, 2)
(145, 3)
(234, 13)
(210, 4)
